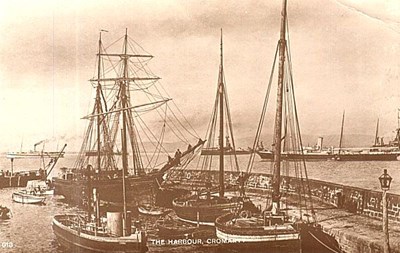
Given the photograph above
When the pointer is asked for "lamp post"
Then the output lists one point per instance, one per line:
(385, 181)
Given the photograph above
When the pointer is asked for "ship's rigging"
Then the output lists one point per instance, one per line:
(121, 132)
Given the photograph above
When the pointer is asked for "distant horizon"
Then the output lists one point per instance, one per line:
(350, 141)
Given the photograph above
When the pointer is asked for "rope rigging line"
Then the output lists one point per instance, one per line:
(158, 147)
(230, 122)
(155, 96)
(153, 135)
(211, 131)
(87, 136)
(135, 43)
(298, 125)
(294, 148)
(262, 117)
(140, 67)
(136, 154)
(135, 132)
(182, 137)
(196, 135)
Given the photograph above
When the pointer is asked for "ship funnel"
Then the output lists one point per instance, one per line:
(115, 223)
(319, 143)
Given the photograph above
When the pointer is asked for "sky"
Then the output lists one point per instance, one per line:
(344, 54)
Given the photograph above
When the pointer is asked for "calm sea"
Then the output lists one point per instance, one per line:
(29, 230)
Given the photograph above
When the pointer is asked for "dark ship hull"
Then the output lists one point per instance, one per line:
(280, 239)
(110, 190)
(212, 151)
(203, 211)
(268, 155)
(395, 156)
(77, 241)
(296, 237)
(73, 186)
(384, 156)
(19, 179)
(315, 240)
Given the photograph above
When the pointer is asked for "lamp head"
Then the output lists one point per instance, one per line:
(385, 180)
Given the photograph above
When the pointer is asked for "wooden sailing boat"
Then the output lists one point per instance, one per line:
(123, 79)
(203, 207)
(279, 228)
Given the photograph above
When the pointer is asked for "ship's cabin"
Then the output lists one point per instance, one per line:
(271, 219)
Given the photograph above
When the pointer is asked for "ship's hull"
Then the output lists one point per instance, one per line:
(205, 151)
(20, 155)
(110, 190)
(203, 212)
(280, 238)
(168, 227)
(19, 179)
(152, 210)
(368, 157)
(315, 240)
(265, 155)
(77, 241)
(252, 237)
(23, 198)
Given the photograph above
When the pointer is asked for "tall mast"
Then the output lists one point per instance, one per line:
(221, 125)
(123, 134)
(376, 134)
(98, 105)
(341, 134)
(276, 196)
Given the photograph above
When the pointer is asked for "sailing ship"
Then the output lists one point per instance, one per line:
(203, 207)
(280, 227)
(131, 98)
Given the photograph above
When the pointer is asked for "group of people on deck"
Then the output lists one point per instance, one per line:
(178, 155)
(176, 159)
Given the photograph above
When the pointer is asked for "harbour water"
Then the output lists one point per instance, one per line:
(29, 229)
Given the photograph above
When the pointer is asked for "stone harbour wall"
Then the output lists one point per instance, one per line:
(352, 199)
